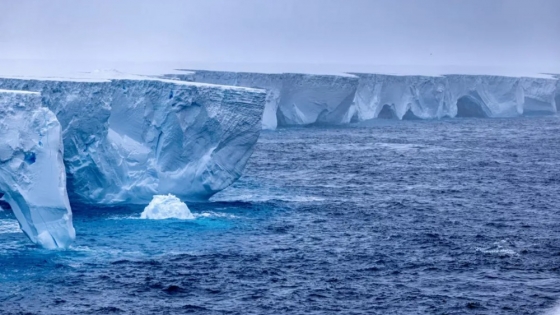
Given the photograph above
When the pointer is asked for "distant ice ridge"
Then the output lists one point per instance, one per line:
(167, 207)
(305, 99)
(130, 138)
(418, 97)
(32, 172)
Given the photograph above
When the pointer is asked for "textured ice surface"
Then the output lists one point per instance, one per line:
(303, 99)
(32, 172)
(166, 207)
(270, 82)
(128, 139)
(292, 98)
(409, 97)
(385, 96)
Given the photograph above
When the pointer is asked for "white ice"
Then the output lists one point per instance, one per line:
(305, 99)
(127, 138)
(32, 172)
(167, 207)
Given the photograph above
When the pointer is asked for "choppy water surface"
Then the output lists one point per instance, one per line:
(428, 217)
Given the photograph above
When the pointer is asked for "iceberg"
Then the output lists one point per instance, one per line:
(166, 207)
(306, 99)
(270, 82)
(316, 99)
(423, 97)
(32, 172)
(129, 138)
(399, 97)
(292, 98)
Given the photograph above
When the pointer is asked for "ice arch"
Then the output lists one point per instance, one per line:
(470, 106)
(409, 115)
(387, 112)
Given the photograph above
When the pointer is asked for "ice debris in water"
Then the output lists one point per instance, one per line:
(166, 207)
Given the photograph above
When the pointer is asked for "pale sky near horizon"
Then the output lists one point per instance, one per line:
(380, 32)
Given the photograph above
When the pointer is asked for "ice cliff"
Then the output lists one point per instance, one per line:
(32, 172)
(299, 99)
(409, 97)
(126, 140)
(292, 98)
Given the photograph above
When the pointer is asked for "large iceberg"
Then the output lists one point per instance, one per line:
(429, 97)
(292, 98)
(386, 96)
(270, 82)
(305, 99)
(32, 172)
(128, 139)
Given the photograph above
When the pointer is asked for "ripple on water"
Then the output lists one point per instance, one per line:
(9, 226)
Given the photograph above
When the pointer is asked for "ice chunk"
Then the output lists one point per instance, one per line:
(129, 139)
(166, 207)
(32, 172)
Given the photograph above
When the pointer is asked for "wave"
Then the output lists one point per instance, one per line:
(267, 198)
(8, 226)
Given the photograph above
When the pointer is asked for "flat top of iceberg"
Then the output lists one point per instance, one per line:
(396, 70)
(82, 70)
(99, 76)
(330, 74)
(18, 92)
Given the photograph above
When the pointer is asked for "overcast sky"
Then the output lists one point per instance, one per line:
(379, 32)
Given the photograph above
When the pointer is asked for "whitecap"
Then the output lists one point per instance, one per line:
(9, 226)
(266, 198)
(499, 248)
(211, 214)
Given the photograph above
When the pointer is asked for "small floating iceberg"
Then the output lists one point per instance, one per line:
(167, 207)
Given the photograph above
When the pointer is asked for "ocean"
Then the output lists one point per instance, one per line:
(457, 216)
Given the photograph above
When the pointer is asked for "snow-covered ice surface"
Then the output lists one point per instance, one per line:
(128, 137)
(167, 207)
(32, 172)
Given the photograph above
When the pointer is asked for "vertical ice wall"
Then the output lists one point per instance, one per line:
(407, 97)
(129, 139)
(400, 97)
(305, 99)
(292, 98)
(32, 172)
(557, 96)
(269, 82)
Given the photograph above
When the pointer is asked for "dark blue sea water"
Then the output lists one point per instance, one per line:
(398, 217)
